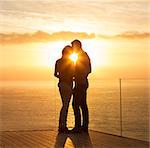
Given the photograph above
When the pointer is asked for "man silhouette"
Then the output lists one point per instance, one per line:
(82, 69)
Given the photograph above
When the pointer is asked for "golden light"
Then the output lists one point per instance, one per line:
(74, 57)
(97, 51)
(48, 53)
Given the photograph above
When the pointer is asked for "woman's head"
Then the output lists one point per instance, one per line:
(67, 50)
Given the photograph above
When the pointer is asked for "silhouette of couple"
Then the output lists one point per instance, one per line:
(70, 73)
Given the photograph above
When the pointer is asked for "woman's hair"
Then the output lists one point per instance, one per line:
(67, 50)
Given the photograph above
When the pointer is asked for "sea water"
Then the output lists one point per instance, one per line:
(35, 105)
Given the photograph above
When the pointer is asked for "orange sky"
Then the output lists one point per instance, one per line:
(32, 37)
(120, 57)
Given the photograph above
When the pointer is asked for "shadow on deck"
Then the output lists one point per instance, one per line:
(51, 139)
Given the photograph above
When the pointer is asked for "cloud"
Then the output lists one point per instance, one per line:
(127, 35)
(40, 36)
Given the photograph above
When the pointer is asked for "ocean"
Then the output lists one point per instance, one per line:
(35, 105)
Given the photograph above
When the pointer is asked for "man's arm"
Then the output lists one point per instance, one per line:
(89, 68)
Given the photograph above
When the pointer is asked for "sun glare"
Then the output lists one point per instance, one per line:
(50, 52)
(97, 51)
(74, 57)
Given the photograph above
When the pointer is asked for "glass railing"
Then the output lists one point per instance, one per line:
(135, 108)
(103, 100)
(119, 107)
(27, 105)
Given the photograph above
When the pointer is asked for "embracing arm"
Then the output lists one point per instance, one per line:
(56, 72)
(89, 68)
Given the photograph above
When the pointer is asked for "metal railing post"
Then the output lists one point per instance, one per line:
(120, 107)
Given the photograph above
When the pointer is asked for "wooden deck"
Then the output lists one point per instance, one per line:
(51, 139)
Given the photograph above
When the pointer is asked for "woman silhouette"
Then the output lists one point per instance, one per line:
(64, 70)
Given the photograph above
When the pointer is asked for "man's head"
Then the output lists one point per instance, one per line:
(76, 45)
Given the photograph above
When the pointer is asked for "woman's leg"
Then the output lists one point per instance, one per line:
(65, 96)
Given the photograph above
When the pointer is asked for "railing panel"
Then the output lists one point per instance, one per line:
(103, 100)
(135, 104)
(27, 105)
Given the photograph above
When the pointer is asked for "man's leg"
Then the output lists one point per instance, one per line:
(76, 109)
(85, 112)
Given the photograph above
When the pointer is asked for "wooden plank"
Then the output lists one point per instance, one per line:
(39, 139)
(53, 139)
(26, 137)
(16, 143)
(5, 141)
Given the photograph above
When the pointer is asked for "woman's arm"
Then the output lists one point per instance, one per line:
(56, 72)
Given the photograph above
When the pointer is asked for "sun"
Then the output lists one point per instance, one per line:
(74, 57)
